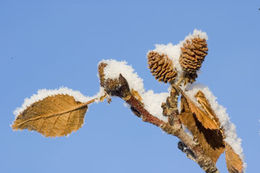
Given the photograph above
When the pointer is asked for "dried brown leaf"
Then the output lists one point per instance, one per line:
(207, 120)
(233, 161)
(211, 140)
(203, 101)
(57, 115)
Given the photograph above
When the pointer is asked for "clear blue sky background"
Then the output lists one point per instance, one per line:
(53, 43)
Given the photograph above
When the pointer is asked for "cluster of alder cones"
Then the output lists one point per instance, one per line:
(192, 55)
(201, 121)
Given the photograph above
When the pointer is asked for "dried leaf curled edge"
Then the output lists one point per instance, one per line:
(210, 140)
(54, 116)
(233, 161)
(209, 121)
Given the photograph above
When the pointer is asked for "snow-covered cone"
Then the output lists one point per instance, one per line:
(193, 53)
(161, 67)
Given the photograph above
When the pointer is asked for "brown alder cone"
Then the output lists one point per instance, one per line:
(161, 67)
(233, 161)
(57, 115)
(192, 56)
(211, 140)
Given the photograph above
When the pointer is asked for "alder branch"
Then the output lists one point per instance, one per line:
(60, 112)
(120, 88)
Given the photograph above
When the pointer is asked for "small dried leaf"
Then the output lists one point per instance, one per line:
(211, 140)
(53, 116)
(206, 119)
(233, 161)
(202, 100)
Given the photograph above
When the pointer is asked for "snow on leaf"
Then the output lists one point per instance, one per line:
(56, 115)
(207, 121)
(231, 137)
(43, 93)
(211, 140)
(55, 112)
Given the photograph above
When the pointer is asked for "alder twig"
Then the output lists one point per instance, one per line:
(120, 88)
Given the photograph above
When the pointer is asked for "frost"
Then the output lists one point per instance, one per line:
(43, 93)
(229, 128)
(152, 102)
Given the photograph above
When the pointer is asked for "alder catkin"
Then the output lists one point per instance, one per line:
(161, 67)
(193, 53)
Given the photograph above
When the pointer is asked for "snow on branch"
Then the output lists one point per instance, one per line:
(115, 68)
(152, 101)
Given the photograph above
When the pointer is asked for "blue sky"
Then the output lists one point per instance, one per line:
(48, 44)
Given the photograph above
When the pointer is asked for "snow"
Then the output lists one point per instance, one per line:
(174, 51)
(230, 129)
(197, 33)
(115, 68)
(43, 93)
(152, 101)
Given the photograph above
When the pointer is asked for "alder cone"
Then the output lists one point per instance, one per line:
(57, 115)
(161, 67)
(192, 56)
